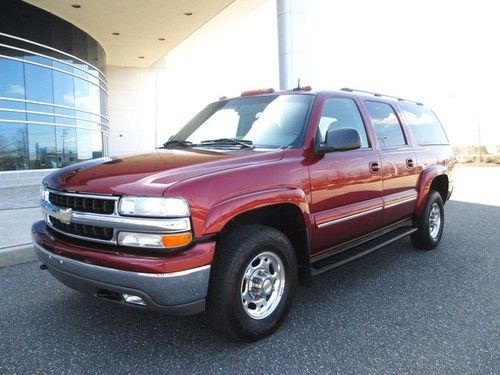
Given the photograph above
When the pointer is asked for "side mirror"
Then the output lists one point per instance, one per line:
(341, 139)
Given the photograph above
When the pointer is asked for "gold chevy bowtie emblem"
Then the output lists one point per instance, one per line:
(64, 215)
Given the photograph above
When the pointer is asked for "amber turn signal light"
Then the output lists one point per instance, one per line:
(176, 239)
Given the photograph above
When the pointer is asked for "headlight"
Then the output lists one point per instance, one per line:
(153, 207)
(44, 193)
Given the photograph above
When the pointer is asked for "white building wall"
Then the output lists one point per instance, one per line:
(235, 51)
(132, 109)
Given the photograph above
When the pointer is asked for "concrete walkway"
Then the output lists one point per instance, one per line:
(19, 197)
(18, 210)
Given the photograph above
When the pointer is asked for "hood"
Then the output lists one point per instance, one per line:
(151, 173)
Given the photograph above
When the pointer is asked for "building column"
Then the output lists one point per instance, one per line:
(293, 42)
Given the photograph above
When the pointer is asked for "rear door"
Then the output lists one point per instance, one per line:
(346, 185)
(399, 169)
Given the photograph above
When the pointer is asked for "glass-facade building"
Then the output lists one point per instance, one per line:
(53, 91)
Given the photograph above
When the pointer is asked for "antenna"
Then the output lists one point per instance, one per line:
(298, 88)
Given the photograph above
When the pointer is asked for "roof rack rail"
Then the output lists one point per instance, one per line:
(379, 95)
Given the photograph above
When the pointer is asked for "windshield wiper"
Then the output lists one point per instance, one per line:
(241, 142)
(177, 144)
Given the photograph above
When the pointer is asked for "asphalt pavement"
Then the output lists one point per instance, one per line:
(397, 311)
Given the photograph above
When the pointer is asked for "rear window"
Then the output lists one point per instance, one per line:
(424, 124)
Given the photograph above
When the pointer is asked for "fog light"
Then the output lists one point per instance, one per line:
(154, 240)
(135, 300)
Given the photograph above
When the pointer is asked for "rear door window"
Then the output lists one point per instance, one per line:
(386, 124)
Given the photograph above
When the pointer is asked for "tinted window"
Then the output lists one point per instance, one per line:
(13, 147)
(17, 113)
(66, 146)
(424, 124)
(63, 89)
(11, 79)
(42, 146)
(38, 83)
(342, 113)
(386, 124)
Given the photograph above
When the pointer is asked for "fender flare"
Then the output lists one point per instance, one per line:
(424, 185)
(220, 214)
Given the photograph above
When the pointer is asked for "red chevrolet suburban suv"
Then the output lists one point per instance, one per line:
(253, 195)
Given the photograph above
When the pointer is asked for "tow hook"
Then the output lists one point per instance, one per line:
(43, 267)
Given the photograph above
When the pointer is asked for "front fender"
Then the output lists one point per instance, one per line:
(424, 184)
(220, 214)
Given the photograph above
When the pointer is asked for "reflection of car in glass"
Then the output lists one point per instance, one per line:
(253, 195)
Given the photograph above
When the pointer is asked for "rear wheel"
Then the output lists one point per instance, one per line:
(252, 282)
(429, 223)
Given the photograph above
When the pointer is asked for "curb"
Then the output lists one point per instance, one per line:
(19, 254)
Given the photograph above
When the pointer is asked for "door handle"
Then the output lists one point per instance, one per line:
(374, 167)
(410, 163)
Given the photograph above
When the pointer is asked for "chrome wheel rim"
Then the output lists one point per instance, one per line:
(262, 285)
(434, 221)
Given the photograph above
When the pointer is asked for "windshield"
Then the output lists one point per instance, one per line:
(264, 121)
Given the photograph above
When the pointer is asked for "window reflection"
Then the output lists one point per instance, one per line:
(38, 83)
(11, 79)
(66, 146)
(65, 120)
(84, 144)
(42, 146)
(97, 149)
(13, 147)
(386, 124)
(424, 124)
(64, 89)
(82, 94)
(11, 110)
(42, 113)
(27, 140)
(39, 60)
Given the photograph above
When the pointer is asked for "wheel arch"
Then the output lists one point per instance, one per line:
(290, 216)
(432, 179)
(441, 184)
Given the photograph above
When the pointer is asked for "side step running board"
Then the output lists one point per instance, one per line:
(358, 251)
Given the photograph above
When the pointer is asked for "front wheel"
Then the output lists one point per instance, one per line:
(429, 223)
(252, 282)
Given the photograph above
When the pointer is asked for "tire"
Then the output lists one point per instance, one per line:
(252, 263)
(429, 223)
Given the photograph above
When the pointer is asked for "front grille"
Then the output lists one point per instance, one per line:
(89, 231)
(83, 204)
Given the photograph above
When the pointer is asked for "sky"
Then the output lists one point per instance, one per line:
(445, 54)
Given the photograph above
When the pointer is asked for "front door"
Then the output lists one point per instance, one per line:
(346, 185)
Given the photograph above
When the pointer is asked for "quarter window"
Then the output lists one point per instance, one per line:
(386, 124)
(424, 124)
(342, 113)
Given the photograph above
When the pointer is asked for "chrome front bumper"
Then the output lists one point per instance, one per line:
(177, 293)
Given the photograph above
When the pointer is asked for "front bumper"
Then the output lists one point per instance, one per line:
(177, 293)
